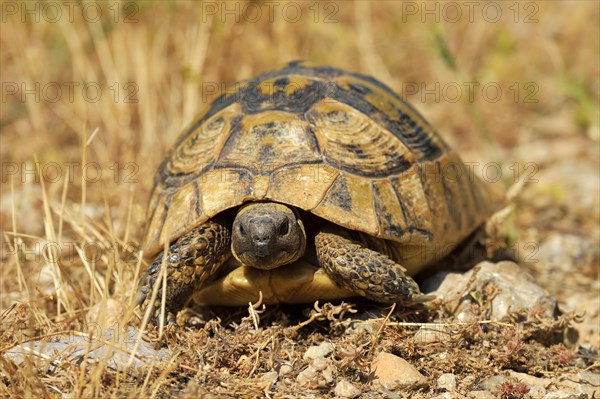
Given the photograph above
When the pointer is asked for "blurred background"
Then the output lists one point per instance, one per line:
(94, 94)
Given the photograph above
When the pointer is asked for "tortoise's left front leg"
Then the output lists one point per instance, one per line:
(366, 272)
(190, 262)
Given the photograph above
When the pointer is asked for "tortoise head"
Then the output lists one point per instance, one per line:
(266, 235)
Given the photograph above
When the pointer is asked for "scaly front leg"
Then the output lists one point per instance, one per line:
(366, 272)
(190, 261)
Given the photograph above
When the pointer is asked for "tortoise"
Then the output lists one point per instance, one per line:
(305, 183)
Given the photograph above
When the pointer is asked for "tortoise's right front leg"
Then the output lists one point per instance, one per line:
(190, 261)
(364, 271)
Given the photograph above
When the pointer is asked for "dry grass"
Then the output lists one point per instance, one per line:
(77, 166)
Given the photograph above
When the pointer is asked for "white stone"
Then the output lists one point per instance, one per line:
(307, 376)
(445, 395)
(270, 376)
(537, 392)
(285, 369)
(324, 349)
(447, 381)
(517, 290)
(345, 389)
(319, 363)
(105, 314)
(481, 395)
(433, 332)
(530, 380)
(578, 384)
(564, 395)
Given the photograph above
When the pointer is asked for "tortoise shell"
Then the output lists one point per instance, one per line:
(340, 145)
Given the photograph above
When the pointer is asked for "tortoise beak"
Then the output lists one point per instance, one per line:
(262, 250)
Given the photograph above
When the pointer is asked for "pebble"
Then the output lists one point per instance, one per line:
(530, 380)
(480, 395)
(319, 363)
(590, 378)
(314, 352)
(105, 314)
(392, 372)
(517, 290)
(564, 251)
(536, 386)
(270, 377)
(445, 395)
(45, 281)
(320, 371)
(285, 369)
(363, 322)
(308, 376)
(584, 384)
(432, 333)
(536, 392)
(565, 395)
(316, 378)
(493, 383)
(446, 381)
(587, 304)
(345, 389)
(566, 386)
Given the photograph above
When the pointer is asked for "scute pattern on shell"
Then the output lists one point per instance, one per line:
(338, 144)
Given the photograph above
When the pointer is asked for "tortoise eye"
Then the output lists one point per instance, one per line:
(284, 228)
(241, 230)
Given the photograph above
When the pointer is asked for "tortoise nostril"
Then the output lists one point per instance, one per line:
(261, 239)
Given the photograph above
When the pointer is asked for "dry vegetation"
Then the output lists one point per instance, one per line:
(77, 167)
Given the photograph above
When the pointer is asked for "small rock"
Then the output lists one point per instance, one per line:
(590, 378)
(307, 376)
(577, 385)
(493, 383)
(480, 395)
(363, 322)
(319, 363)
(537, 386)
(517, 290)
(565, 395)
(584, 303)
(320, 371)
(432, 333)
(285, 369)
(345, 389)
(270, 377)
(445, 395)
(530, 380)
(322, 350)
(563, 251)
(115, 346)
(316, 378)
(328, 376)
(447, 381)
(392, 372)
(105, 314)
(536, 392)
(45, 282)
